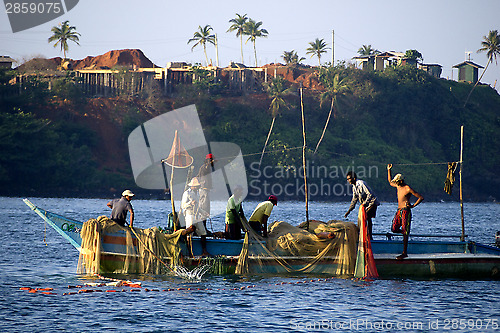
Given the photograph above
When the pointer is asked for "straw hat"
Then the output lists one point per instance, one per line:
(397, 178)
(194, 182)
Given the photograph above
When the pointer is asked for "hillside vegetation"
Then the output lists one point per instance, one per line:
(59, 142)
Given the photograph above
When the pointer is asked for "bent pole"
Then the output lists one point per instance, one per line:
(304, 158)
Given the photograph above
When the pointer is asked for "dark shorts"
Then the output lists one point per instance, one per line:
(120, 222)
(402, 221)
(372, 212)
(233, 231)
(256, 226)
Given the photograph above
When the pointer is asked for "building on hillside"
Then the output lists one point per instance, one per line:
(432, 69)
(6, 62)
(366, 61)
(468, 71)
(382, 60)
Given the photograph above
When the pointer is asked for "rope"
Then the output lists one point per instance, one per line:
(430, 163)
(339, 154)
(138, 287)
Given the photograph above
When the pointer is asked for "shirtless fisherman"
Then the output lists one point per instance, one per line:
(402, 219)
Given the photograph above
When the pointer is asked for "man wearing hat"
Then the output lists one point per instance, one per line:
(402, 219)
(258, 220)
(190, 207)
(119, 208)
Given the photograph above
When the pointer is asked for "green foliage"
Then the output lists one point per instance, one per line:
(67, 88)
(205, 81)
(401, 116)
(413, 54)
(44, 156)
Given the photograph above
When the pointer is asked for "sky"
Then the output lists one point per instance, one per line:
(443, 31)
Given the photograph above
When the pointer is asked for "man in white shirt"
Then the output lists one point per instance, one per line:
(363, 193)
(190, 208)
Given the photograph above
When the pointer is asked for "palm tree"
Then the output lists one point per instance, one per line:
(252, 30)
(277, 91)
(367, 50)
(490, 45)
(62, 34)
(317, 48)
(238, 25)
(202, 37)
(414, 55)
(335, 88)
(292, 58)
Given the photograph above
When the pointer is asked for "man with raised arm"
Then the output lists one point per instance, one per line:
(402, 219)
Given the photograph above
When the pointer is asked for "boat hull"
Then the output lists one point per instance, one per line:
(427, 259)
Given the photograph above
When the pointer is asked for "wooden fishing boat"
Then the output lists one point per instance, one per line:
(428, 258)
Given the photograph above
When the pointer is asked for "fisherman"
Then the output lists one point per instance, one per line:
(402, 219)
(258, 220)
(205, 178)
(119, 208)
(235, 215)
(363, 193)
(190, 208)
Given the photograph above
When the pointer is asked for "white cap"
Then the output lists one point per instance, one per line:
(127, 193)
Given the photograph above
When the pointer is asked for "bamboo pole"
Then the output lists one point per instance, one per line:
(460, 178)
(304, 158)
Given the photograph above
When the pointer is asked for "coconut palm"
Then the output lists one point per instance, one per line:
(62, 34)
(292, 58)
(367, 50)
(238, 25)
(252, 30)
(316, 48)
(202, 37)
(414, 54)
(335, 88)
(276, 90)
(490, 45)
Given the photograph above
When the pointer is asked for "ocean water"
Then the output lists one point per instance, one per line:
(33, 256)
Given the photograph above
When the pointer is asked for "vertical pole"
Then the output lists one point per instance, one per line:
(333, 47)
(172, 186)
(304, 157)
(460, 174)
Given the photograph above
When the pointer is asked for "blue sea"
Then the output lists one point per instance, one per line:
(33, 255)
